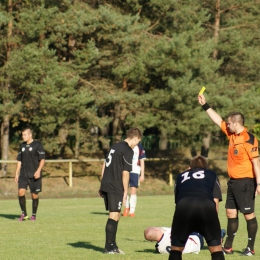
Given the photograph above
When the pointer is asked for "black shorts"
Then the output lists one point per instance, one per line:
(241, 195)
(35, 185)
(113, 202)
(134, 179)
(195, 215)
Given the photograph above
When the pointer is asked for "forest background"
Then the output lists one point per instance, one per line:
(82, 72)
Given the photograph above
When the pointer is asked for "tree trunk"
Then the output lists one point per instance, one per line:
(205, 145)
(77, 139)
(6, 118)
(5, 142)
(216, 27)
(63, 134)
(163, 142)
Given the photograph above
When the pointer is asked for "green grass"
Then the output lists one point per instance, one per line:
(74, 229)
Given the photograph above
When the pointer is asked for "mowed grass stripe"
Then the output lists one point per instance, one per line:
(75, 229)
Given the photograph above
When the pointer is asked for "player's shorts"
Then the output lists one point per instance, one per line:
(113, 202)
(195, 215)
(134, 179)
(35, 185)
(241, 195)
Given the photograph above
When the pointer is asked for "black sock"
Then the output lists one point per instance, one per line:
(22, 202)
(251, 230)
(217, 256)
(111, 229)
(232, 228)
(175, 255)
(35, 203)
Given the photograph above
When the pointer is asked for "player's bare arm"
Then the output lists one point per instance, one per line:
(103, 169)
(215, 117)
(37, 174)
(256, 166)
(17, 171)
(217, 203)
(125, 180)
(142, 165)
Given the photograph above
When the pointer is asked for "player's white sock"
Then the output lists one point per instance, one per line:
(133, 201)
(127, 203)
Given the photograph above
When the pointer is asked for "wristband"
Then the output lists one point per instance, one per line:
(206, 106)
(258, 183)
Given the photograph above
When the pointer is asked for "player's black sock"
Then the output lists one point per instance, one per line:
(35, 203)
(252, 227)
(22, 202)
(175, 255)
(232, 228)
(217, 256)
(111, 228)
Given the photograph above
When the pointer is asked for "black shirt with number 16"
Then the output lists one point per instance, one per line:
(118, 159)
(197, 183)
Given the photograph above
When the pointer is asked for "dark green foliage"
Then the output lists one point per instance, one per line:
(69, 66)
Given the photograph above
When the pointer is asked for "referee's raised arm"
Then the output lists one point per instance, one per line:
(215, 117)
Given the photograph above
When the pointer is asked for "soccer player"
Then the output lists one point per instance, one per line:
(244, 173)
(136, 175)
(114, 184)
(196, 209)
(30, 160)
(162, 235)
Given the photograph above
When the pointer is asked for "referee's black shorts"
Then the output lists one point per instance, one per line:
(241, 195)
(195, 215)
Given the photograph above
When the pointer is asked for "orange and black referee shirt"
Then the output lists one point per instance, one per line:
(243, 147)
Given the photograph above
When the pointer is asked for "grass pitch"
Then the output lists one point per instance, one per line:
(75, 229)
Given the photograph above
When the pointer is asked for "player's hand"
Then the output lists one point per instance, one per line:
(124, 199)
(100, 193)
(201, 99)
(37, 175)
(141, 179)
(257, 190)
(16, 178)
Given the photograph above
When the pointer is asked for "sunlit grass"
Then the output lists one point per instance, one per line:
(75, 229)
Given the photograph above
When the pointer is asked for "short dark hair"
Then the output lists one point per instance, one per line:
(237, 117)
(199, 161)
(27, 128)
(134, 132)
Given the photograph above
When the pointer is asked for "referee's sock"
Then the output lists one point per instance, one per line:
(232, 228)
(217, 256)
(252, 227)
(175, 255)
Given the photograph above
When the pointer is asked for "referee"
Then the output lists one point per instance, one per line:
(30, 160)
(114, 184)
(244, 173)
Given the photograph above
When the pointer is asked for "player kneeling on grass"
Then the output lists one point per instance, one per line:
(196, 210)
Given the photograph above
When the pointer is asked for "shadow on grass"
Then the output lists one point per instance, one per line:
(150, 251)
(9, 216)
(86, 245)
(99, 213)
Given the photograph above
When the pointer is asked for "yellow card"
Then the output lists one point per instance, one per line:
(202, 90)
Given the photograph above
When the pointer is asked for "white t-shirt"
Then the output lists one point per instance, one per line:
(139, 154)
(164, 245)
